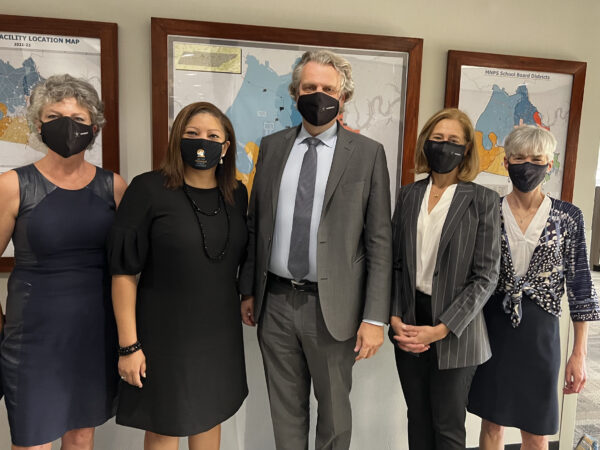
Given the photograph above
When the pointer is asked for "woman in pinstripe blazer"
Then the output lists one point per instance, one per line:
(446, 263)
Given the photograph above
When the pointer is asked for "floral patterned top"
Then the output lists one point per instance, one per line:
(560, 255)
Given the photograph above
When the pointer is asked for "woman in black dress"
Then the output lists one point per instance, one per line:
(58, 356)
(183, 229)
(543, 248)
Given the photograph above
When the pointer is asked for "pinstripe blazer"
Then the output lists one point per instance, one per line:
(465, 274)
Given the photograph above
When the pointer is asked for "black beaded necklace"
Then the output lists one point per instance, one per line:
(197, 211)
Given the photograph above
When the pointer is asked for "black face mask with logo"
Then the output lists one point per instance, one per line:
(443, 156)
(318, 108)
(66, 137)
(527, 176)
(200, 154)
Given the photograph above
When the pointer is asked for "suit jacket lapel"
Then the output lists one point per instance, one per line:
(280, 157)
(412, 217)
(342, 153)
(461, 200)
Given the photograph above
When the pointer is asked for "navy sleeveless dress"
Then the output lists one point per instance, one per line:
(58, 356)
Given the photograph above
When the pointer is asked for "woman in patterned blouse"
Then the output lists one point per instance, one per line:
(543, 246)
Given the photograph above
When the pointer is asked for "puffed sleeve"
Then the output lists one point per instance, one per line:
(583, 299)
(129, 239)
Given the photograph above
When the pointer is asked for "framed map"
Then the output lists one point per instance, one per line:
(245, 70)
(500, 92)
(31, 50)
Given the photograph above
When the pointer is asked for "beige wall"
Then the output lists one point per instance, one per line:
(551, 29)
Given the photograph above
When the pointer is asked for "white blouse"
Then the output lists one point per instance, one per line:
(522, 244)
(429, 232)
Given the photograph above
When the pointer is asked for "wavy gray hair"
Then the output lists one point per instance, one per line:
(530, 140)
(325, 57)
(59, 87)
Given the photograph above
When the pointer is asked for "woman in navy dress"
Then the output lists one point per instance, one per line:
(58, 355)
(543, 248)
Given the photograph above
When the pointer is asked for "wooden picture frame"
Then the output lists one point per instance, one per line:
(551, 80)
(166, 33)
(23, 33)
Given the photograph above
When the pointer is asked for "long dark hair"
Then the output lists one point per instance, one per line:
(172, 166)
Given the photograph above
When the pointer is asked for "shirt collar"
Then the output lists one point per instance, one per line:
(327, 137)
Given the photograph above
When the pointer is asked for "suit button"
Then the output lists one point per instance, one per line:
(435, 274)
(264, 274)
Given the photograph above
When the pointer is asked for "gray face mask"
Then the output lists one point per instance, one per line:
(443, 156)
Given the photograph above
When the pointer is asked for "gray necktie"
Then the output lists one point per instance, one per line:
(298, 259)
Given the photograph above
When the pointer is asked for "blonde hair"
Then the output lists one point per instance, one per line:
(530, 140)
(469, 166)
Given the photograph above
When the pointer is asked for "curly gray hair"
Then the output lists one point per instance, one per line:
(325, 57)
(59, 87)
(530, 140)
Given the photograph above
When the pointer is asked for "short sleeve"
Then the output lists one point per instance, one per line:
(129, 239)
(583, 299)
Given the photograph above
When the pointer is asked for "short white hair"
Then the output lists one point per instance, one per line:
(526, 140)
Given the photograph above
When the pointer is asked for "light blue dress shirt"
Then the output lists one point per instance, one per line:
(284, 218)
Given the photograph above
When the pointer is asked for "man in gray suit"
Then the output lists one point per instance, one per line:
(317, 278)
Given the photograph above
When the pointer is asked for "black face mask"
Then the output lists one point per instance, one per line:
(200, 153)
(527, 176)
(318, 108)
(66, 137)
(443, 156)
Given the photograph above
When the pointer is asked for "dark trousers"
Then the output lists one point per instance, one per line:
(436, 399)
(297, 348)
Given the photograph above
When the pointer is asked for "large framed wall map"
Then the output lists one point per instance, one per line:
(245, 71)
(31, 50)
(499, 92)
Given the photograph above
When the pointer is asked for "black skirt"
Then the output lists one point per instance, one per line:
(518, 386)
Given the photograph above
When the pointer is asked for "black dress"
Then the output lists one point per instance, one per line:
(58, 356)
(187, 309)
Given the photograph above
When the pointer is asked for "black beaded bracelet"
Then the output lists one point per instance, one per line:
(124, 351)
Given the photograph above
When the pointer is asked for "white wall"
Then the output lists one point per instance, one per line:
(550, 29)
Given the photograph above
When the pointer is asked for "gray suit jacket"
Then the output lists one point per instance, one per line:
(354, 249)
(465, 274)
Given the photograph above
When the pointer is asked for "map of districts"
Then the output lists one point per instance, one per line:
(266, 92)
(15, 87)
(253, 92)
(502, 113)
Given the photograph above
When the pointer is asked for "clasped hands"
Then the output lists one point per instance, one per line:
(416, 338)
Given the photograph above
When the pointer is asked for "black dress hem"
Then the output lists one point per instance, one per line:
(179, 434)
